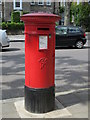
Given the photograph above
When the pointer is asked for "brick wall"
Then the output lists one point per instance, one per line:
(1, 12)
(8, 8)
(26, 6)
(41, 8)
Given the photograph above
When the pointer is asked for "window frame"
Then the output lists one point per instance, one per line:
(49, 2)
(17, 8)
(32, 3)
(41, 1)
(74, 30)
(64, 32)
(1, 15)
(0, 2)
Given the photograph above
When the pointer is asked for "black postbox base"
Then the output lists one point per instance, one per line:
(39, 100)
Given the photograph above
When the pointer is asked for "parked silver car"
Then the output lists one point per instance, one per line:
(4, 40)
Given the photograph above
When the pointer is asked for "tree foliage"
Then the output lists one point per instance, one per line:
(61, 9)
(81, 14)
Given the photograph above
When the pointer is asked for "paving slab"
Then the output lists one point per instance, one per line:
(0, 110)
(68, 99)
(79, 108)
(9, 110)
(59, 111)
(16, 37)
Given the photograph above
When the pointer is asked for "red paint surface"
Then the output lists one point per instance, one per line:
(39, 64)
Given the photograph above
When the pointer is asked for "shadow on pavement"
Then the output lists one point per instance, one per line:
(86, 47)
(13, 74)
(16, 89)
(70, 74)
(17, 67)
(17, 40)
(10, 49)
(64, 48)
(73, 98)
(68, 48)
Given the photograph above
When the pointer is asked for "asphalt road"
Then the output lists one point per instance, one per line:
(71, 70)
(71, 77)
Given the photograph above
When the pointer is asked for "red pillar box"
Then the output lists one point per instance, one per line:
(39, 61)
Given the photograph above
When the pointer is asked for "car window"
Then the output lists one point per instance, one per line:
(73, 30)
(61, 30)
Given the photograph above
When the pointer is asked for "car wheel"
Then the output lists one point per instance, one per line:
(79, 44)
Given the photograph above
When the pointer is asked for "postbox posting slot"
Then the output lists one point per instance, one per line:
(42, 28)
(43, 42)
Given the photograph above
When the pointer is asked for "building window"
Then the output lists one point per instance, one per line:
(64, 2)
(0, 1)
(48, 2)
(32, 2)
(0, 14)
(77, 2)
(40, 2)
(61, 2)
(18, 5)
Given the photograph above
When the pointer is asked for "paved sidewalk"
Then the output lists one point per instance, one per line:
(69, 105)
(16, 37)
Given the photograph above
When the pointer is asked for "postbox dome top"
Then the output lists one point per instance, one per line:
(40, 17)
(39, 14)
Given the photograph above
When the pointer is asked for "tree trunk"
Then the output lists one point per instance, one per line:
(67, 13)
(53, 7)
(2, 11)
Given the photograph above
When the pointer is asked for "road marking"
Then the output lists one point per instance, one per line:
(71, 91)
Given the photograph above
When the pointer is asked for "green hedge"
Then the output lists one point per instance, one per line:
(13, 26)
(15, 16)
(24, 12)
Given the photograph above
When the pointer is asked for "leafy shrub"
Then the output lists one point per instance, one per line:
(13, 26)
(4, 25)
(57, 23)
(24, 12)
(15, 16)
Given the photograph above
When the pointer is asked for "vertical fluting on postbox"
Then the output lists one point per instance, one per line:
(40, 61)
